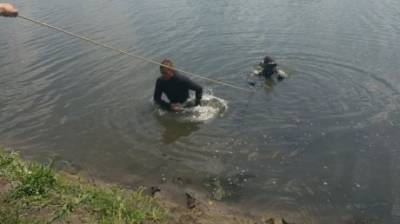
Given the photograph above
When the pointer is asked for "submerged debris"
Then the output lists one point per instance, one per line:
(285, 222)
(190, 201)
(269, 221)
(218, 193)
(228, 187)
(154, 191)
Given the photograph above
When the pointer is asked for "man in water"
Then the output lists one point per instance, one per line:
(8, 10)
(269, 67)
(175, 86)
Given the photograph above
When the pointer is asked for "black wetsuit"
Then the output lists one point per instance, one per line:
(269, 69)
(177, 90)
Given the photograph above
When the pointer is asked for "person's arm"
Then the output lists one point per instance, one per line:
(157, 96)
(275, 69)
(8, 10)
(197, 88)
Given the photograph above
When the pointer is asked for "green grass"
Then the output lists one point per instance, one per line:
(36, 194)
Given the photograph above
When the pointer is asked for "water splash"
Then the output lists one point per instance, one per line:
(210, 108)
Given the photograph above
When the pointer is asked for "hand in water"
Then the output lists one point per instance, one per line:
(8, 10)
(176, 107)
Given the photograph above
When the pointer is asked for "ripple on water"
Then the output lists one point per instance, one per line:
(324, 90)
(168, 134)
(66, 94)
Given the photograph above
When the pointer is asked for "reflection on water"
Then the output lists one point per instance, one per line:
(183, 123)
(174, 129)
(319, 147)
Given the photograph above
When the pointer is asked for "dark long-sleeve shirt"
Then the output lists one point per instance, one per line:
(269, 69)
(176, 89)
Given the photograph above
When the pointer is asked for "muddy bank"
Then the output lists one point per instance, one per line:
(34, 193)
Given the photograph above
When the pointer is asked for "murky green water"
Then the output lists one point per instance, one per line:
(322, 146)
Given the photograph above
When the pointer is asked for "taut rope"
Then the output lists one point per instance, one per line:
(130, 54)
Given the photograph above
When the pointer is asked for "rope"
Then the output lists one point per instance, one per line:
(131, 55)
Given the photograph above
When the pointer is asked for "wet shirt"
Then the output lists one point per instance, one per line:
(269, 69)
(176, 89)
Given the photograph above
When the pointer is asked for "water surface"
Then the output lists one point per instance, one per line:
(320, 147)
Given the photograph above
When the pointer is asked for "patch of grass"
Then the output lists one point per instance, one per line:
(36, 192)
(38, 180)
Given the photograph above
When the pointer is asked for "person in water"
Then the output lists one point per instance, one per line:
(8, 10)
(269, 67)
(175, 86)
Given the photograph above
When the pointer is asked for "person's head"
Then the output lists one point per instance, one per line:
(268, 60)
(8, 10)
(167, 69)
(269, 64)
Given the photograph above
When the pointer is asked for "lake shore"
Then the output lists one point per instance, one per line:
(34, 193)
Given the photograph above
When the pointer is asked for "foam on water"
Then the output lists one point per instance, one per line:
(211, 107)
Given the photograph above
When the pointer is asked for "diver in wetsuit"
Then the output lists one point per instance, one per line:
(269, 67)
(175, 86)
